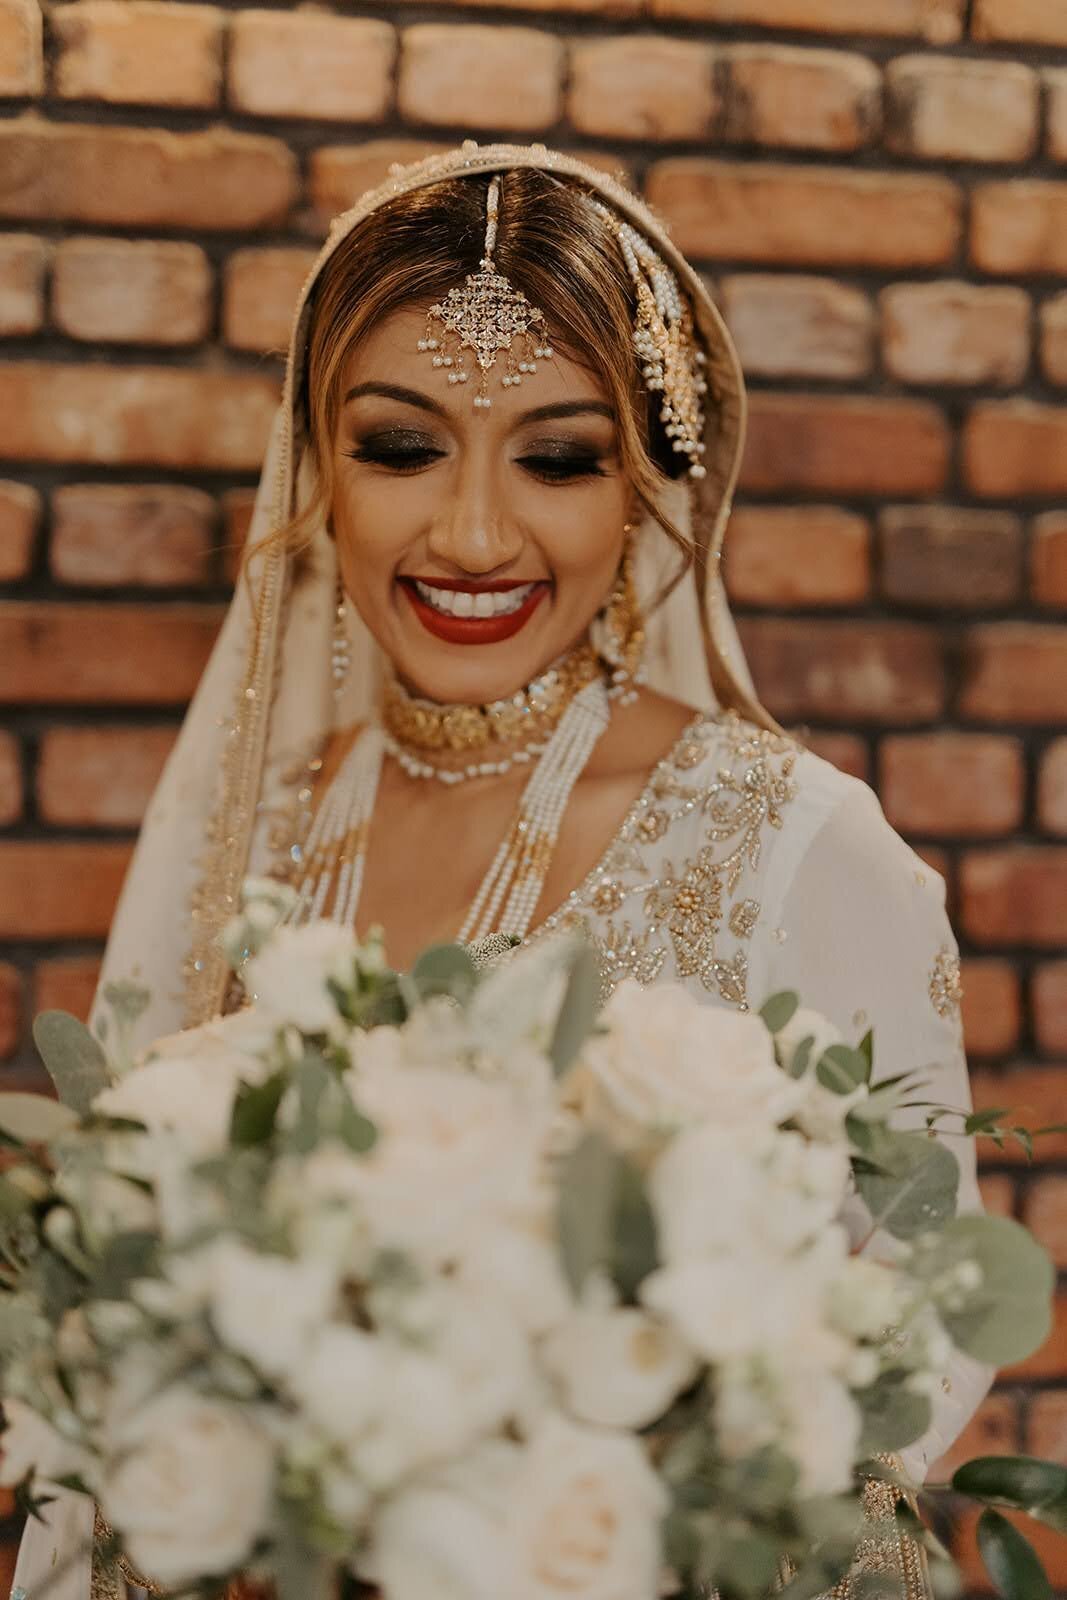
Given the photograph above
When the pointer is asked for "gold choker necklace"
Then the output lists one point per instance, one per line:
(528, 715)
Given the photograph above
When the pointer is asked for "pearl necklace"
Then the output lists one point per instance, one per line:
(410, 763)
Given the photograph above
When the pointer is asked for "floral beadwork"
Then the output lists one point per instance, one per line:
(946, 989)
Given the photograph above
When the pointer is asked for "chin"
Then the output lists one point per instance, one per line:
(463, 675)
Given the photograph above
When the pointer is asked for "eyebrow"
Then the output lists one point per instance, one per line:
(414, 397)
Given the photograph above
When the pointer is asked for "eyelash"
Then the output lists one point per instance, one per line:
(547, 468)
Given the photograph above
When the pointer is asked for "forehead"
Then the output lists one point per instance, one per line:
(389, 353)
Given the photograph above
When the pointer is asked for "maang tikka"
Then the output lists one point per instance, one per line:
(486, 314)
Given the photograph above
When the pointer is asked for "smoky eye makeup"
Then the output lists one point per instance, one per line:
(403, 449)
(566, 459)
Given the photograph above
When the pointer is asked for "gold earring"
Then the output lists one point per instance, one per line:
(618, 632)
(341, 649)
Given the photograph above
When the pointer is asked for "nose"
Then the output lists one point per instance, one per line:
(473, 530)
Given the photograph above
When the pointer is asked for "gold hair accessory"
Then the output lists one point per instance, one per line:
(487, 315)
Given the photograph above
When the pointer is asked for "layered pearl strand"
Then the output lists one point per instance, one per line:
(410, 763)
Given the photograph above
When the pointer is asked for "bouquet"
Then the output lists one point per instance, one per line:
(456, 1283)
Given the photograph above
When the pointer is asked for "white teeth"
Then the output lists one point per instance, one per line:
(457, 603)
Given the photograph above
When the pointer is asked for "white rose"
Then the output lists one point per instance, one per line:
(867, 1298)
(517, 1260)
(822, 1432)
(192, 1488)
(28, 1440)
(438, 1539)
(287, 979)
(806, 1024)
(188, 1096)
(617, 1366)
(245, 1032)
(266, 1306)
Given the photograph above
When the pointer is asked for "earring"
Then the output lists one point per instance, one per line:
(618, 632)
(341, 649)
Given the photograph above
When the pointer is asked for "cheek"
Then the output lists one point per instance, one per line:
(581, 533)
(375, 520)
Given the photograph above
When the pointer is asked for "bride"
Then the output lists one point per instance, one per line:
(480, 676)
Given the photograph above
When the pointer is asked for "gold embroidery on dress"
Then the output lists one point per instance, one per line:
(946, 989)
(743, 918)
(105, 1582)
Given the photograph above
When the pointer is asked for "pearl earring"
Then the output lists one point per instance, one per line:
(341, 649)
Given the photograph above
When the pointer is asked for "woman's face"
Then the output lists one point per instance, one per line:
(476, 543)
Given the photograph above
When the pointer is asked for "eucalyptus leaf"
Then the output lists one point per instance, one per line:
(1009, 1315)
(73, 1058)
(35, 1118)
(1011, 1560)
(917, 1193)
(13, 1201)
(801, 1057)
(779, 1010)
(578, 1012)
(842, 1069)
(1021, 1481)
(129, 1255)
(893, 1415)
(445, 969)
(255, 1109)
(357, 1131)
(605, 1221)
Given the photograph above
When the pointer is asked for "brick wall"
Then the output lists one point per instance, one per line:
(883, 215)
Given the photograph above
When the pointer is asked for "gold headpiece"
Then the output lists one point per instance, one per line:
(486, 314)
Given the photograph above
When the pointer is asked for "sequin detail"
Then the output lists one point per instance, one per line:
(946, 989)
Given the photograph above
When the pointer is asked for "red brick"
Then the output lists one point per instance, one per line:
(940, 21)
(998, 1192)
(846, 751)
(1015, 672)
(143, 177)
(991, 1007)
(949, 784)
(1048, 1362)
(58, 889)
(1016, 895)
(22, 262)
(1047, 1426)
(1054, 339)
(950, 557)
(1052, 789)
(486, 76)
(138, 52)
(1031, 1097)
(58, 654)
(259, 297)
(1050, 1007)
(992, 1431)
(786, 215)
(1020, 21)
(1051, 1548)
(1056, 86)
(10, 780)
(155, 416)
(305, 63)
(1048, 559)
(956, 333)
(20, 513)
(339, 174)
(10, 1010)
(1019, 227)
(155, 536)
(845, 671)
(21, 48)
(99, 777)
(801, 99)
(132, 291)
(948, 109)
(797, 556)
(604, 8)
(66, 983)
(1016, 447)
(1045, 1214)
(837, 444)
(641, 87)
(799, 327)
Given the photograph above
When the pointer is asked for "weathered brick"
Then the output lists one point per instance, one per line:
(10, 780)
(66, 983)
(797, 556)
(1052, 788)
(998, 1193)
(991, 1007)
(946, 784)
(22, 263)
(1019, 227)
(799, 327)
(132, 291)
(160, 416)
(992, 1431)
(940, 21)
(143, 177)
(138, 52)
(1045, 1214)
(1054, 339)
(59, 889)
(1031, 1096)
(1020, 21)
(847, 672)
(1050, 1007)
(339, 174)
(786, 215)
(950, 556)
(1015, 672)
(61, 654)
(1047, 1425)
(956, 333)
(846, 751)
(836, 444)
(10, 1009)
(613, 9)
(155, 536)
(942, 108)
(305, 63)
(20, 513)
(1048, 559)
(482, 76)
(21, 48)
(801, 99)
(641, 87)
(1056, 91)
(1015, 448)
(1016, 894)
(260, 292)
(1049, 1546)
(99, 777)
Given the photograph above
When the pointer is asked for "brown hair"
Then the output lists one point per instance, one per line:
(552, 244)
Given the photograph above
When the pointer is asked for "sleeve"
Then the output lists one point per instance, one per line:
(862, 935)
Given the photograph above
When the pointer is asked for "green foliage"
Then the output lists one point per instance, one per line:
(605, 1220)
(1010, 1314)
(74, 1060)
(893, 1415)
(445, 969)
(779, 1010)
(578, 1012)
(842, 1069)
(255, 1109)
(1024, 1482)
(1011, 1560)
(34, 1118)
(914, 1186)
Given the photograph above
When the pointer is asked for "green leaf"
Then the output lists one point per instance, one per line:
(605, 1222)
(255, 1109)
(1021, 1481)
(1009, 1315)
(866, 1050)
(916, 1193)
(357, 1131)
(13, 1201)
(842, 1069)
(779, 1010)
(984, 1121)
(126, 1256)
(1011, 1560)
(578, 1013)
(893, 1415)
(74, 1060)
(445, 969)
(801, 1057)
(35, 1118)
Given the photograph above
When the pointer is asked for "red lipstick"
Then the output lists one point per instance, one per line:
(474, 630)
